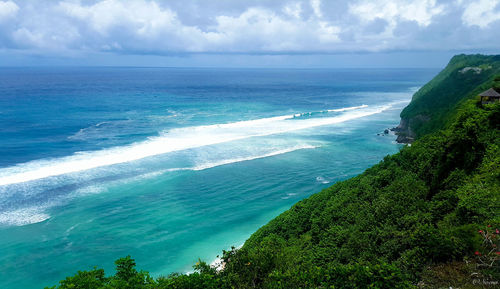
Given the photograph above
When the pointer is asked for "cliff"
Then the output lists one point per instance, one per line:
(433, 106)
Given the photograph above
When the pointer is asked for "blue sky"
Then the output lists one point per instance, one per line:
(231, 33)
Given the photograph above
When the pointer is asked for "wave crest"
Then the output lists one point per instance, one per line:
(176, 140)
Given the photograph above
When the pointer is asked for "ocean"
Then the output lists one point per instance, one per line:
(169, 165)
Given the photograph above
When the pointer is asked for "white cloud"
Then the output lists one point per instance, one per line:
(316, 6)
(281, 26)
(293, 9)
(145, 26)
(262, 30)
(138, 26)
(8, 9)
(142, 17)
(420, 11)
(481, 13)
(394, 24)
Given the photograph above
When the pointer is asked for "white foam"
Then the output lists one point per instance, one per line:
(322, 180)
(209, 164)
(21, 217)
(347, 108)
(175, 140)
(306, 114)
(218, 264)
(104, 129)
(90, 190)
(242, 159)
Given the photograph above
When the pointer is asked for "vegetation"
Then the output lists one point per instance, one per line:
(425, 217)
(435, 104)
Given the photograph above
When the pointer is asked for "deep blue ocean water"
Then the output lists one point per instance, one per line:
(170, 165)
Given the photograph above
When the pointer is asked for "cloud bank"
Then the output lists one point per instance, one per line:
(254, 27)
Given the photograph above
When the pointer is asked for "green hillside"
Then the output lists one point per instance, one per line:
(434, 105)
(425, 217)
(420, 207)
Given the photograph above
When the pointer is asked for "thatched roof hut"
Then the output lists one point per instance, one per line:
(489, 95)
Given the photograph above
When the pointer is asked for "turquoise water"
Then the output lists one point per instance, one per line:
(171, 165)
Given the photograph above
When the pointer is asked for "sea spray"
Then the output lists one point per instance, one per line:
(175, 140)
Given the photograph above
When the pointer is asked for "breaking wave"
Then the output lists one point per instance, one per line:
(178, 139)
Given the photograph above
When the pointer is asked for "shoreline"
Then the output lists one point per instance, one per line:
(218, 264)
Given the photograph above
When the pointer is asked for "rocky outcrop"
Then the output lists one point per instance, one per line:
(404, 133)
(404, 129)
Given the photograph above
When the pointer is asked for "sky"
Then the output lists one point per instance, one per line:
(258, 33)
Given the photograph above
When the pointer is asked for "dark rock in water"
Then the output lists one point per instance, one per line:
(386, 131)
(404, 139)
(404, 132)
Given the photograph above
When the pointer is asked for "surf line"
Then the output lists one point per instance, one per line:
(175, 140)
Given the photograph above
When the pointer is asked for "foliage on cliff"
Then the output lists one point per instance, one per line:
(434, 105)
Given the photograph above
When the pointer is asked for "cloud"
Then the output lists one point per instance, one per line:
(259, 29)
(481, 13)
(420, 11)
(259, 26)
(316, 6)
(8, 9)
(146, 27)
(139, 17)
(293, 9)
(135, 26)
